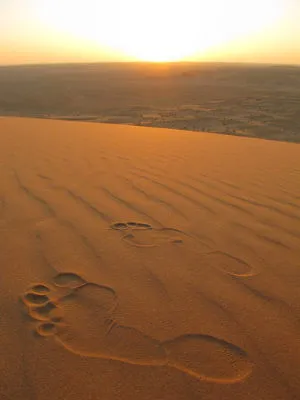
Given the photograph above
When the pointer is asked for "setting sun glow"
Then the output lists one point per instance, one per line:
(159, 30)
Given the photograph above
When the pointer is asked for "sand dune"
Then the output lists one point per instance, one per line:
(147, 263)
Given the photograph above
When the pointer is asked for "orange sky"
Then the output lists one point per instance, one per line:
(42, 31)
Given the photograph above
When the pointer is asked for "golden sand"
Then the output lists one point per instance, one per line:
(142, 263)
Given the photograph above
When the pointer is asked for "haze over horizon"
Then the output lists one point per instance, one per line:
(37, 32)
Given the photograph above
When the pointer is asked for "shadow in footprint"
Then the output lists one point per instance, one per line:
(82, 321)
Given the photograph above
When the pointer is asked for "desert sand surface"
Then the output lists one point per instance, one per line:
(235, 99)
(142, 263)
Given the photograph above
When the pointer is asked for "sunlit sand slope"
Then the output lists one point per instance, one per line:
(142, 263)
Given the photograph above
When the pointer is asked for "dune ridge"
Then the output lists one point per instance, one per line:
(147, 263)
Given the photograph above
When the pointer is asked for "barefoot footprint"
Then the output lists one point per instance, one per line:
(140, 234)
(79, 315)
(144, 235)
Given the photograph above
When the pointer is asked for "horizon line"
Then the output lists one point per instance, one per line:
(283, 64)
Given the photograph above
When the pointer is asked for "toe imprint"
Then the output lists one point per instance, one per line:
(131, 224)
(43, 313)
(35, 298)
(40, 289)
(120, 226)
(46, 329)
(140, 225)
(69, 280)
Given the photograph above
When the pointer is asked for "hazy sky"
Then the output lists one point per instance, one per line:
(38, 31)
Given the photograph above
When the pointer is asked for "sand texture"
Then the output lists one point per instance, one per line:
(145, 263)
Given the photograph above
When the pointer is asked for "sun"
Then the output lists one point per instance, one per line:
(159, 30)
